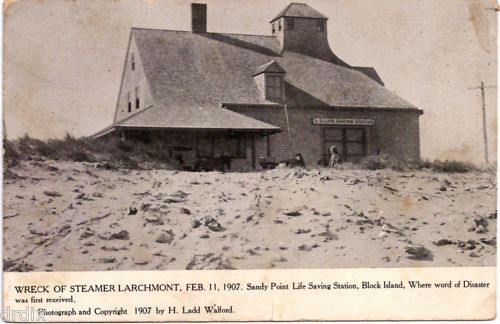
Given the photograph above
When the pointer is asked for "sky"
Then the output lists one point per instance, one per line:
(63, 59)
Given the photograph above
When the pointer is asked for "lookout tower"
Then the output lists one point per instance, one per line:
(302, 29)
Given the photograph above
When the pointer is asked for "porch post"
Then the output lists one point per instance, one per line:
(253, 150)
(268, 145)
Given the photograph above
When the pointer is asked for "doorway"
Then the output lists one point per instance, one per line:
(350, 142)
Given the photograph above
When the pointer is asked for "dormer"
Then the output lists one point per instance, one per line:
(300, 28)
(270, 79)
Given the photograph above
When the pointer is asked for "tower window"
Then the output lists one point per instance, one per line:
(129, 105)
(274, 87)
(290, 24)
(137, 98)
(132, 61)
(320, 25)
(273, 28)
(279, 24)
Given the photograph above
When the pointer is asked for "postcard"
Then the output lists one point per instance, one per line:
(249, 160)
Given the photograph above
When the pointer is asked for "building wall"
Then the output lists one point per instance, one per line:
(395, 133)
(260, 80)
(131, 80)
(260, 150)
(185, 142)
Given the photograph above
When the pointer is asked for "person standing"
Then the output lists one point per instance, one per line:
(334, 156)
(299, 161)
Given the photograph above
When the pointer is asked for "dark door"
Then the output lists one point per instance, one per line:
(350, 142)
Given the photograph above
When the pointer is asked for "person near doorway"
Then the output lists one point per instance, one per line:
(299, 161)
(334, 156)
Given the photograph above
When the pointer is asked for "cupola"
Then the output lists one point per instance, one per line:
(302, 29)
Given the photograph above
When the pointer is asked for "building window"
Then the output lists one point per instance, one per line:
(350, 142)
(290, 24)
(129, 102)
(137, 98)
(204, 146)
(132, 60)
(273, 28)
(279, 24)
(221, 146)
(237, 147)
(321, 25)
(242, 148)
(274, 87)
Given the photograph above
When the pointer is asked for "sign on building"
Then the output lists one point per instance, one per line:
(342, 121)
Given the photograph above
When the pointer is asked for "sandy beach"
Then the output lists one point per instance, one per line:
(69, 216)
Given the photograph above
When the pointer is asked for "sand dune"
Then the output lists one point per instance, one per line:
(62, 216)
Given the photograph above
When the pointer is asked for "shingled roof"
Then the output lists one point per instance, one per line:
(194, 117)
(204, 70)
(269, 67)
(190, 117)
(300, 10)
(193, 75)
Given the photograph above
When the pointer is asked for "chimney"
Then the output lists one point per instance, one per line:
(199, 18)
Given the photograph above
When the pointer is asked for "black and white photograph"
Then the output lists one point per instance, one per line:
(241, 135)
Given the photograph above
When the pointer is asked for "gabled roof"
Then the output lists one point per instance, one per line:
(185, 69)
(190, 75)
(300, 10)
(271, 67)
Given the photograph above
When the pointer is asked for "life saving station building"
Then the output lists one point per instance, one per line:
(248, 97)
